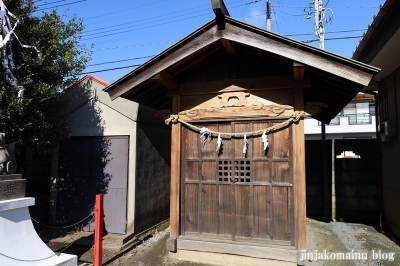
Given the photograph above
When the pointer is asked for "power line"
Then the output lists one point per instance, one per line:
(115, 33)
(331, 39)
(118, 61)
(105, 70)
(152, 18)
(49, 3)
(60, 5)
(124, 10)
(150, 22)
(117, 68)
(130, 14)
(143, 35)
(277, 25)
(327, 3)
(331, 7)
(327, 32)
(131, 46)
(134, 29)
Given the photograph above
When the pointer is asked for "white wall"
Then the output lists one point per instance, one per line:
(313, 131)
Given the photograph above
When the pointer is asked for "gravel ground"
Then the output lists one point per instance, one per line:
(339, 237)
(334, 237)
(151, 252)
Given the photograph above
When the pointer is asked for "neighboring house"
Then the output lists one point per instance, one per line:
(342, 184)
(240, 202)
(355, 121)
(380, 47)
(115, 148)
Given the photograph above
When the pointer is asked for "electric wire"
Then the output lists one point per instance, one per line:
(327, 32)
(130, 14)
(206, 8)
(331, 6)
(330, 39)
(116, 33)
(109, 69)
(277, 25)
(46, 3)
(117, 61)
(150, 22)
(143, 35)
(117, 68)
(124, 10)
(53, 7)
(131, 46)
(130, 30)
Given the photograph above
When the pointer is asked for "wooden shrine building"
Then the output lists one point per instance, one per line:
(232, 201)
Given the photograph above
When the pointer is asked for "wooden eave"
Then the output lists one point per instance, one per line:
(381, 29)
(335, 80)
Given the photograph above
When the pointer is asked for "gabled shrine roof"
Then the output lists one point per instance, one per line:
(335, 80)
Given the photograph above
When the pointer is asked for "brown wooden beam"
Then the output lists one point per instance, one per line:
(298, 71)
(228, 47)
(219, 8)
(166, 79)
(135, 94)
(299, 175)
(175, 172)
(272, 82)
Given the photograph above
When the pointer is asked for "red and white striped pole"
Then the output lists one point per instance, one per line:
(98, 230)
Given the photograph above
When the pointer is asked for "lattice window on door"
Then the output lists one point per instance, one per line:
(239, 173)
(224, 170)
(242, 170)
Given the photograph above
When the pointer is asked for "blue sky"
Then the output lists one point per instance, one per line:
(127, 33)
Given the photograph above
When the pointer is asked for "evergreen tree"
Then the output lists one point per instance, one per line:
(36, 121)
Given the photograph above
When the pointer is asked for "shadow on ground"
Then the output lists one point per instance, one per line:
(333, 237)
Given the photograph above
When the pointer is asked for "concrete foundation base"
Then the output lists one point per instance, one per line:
(224, 259)
(19, 242)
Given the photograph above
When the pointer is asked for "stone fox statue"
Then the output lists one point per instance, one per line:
(8, 164)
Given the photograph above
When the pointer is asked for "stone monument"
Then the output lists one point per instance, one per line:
(19, 242)
(12, 186)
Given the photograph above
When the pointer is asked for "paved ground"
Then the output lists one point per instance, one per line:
(344, 238)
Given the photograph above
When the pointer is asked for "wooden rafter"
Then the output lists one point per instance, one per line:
(166, 79)
(228, 47)
(298, 71)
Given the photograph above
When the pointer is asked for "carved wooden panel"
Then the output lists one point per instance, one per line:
(235, 102)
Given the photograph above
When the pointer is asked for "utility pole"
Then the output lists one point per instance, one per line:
(319, 14)
(319, 22)
(268, 15)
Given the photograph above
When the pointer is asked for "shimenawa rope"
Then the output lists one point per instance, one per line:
(293, 119)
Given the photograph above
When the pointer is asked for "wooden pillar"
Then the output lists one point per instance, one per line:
(175, 178)
(299, 174)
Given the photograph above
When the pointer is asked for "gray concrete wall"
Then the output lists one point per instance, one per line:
(92, 113)
(153, 157)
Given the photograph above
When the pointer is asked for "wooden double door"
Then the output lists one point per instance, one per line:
(233, 195)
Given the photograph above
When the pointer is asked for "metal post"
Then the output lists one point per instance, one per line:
(324, 172)
(333, 182)
(98, 230)
(269, 28)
